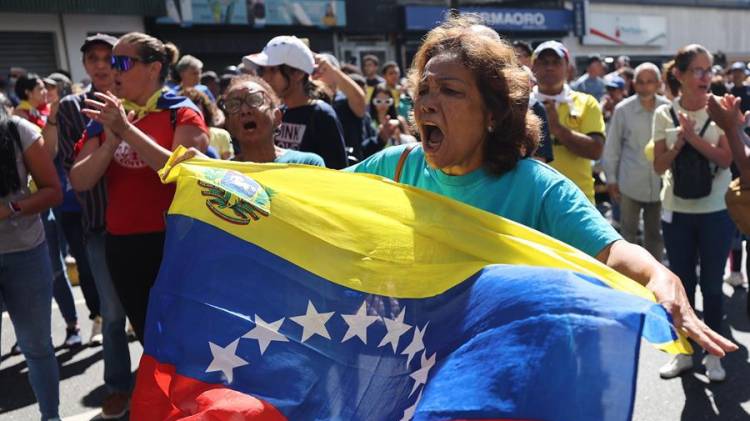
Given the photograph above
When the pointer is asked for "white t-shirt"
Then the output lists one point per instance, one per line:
(664, 129)
(23, 232)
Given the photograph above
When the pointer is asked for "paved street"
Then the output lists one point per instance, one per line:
(81, 370)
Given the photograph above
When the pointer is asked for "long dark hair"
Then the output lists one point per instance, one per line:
(381, 88)
(10, 182)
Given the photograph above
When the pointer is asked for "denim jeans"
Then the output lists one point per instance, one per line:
(61, 289)
(26, 293)
(117, 375)
(704, 238)
(72, 227)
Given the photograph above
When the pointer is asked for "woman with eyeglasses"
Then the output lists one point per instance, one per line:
(115, 145)
(253, 115)
(308, 124)
(693, 156)
(390, 126)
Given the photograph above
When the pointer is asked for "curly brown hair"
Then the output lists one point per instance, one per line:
(504, 86)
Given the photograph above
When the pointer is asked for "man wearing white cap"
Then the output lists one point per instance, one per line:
(308, 124)
(575, 119)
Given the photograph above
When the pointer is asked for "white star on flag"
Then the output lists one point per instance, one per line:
(420, 376)
(265, 333)
(358, 324)
(394, 329)
(312, 322)
(409, 412)
(225, 359)
(416, 345)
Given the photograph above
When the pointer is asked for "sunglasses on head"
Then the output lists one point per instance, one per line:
(125, 63)
(387, 101)
(234, 105)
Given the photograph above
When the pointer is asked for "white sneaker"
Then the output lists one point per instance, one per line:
(735, 279)
(72, 338)
(96, 337)
(676, 366)
(714, 371)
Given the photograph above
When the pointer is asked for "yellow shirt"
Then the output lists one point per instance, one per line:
(584, 117)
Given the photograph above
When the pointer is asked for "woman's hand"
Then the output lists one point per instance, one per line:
(687, 129)
(725, 111)
(670, 293)
(109, 112)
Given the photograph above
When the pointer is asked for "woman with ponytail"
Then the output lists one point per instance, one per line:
(692, 155)
(118, 149)
(25, 274)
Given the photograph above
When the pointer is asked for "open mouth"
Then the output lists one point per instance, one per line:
(432, 136)
(250, 125)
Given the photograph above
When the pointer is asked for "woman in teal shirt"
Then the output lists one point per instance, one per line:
(471, 112)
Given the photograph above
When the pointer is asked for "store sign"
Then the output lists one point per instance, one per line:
(321, 13)
(424, 18)
(624, 29)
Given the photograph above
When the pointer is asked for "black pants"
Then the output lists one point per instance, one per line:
(73, 229)
(134, 262)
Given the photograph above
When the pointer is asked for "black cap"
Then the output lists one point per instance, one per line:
(98, 39)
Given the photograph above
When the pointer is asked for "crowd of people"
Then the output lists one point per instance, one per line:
(505, 127)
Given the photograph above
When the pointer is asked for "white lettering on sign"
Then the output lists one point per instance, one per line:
(514, 18)
(290, 135)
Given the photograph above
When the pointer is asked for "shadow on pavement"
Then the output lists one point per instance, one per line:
(721, 401)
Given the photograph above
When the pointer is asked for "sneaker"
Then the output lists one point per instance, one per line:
(96, 337)
(714, 371)
(735, 279)
(15, 349)
(115, 406)
(674, 368)
(72, 338)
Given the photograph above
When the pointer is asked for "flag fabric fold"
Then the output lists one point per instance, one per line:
(308, 294)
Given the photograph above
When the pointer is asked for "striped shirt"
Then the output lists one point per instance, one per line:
(71, 125)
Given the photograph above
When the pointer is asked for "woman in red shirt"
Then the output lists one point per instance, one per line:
(138, 201)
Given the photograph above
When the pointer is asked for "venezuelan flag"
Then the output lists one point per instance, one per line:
(301, 293)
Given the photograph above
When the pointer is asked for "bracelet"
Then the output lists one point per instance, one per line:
(15, 210)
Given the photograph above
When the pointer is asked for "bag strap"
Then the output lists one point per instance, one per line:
(675, 120)
(705, 127)
(402, 161)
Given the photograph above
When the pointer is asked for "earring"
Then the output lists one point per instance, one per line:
(490, 129)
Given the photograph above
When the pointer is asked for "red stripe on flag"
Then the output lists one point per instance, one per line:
(163, 395)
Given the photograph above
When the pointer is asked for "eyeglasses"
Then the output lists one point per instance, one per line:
(125, 63)
(233, 105)
(387, 101)
(699, 73)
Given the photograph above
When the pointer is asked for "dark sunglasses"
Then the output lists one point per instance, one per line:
(234, 105)
(125, 63)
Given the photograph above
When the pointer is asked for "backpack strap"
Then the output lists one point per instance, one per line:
(402, 161)
(705, 127)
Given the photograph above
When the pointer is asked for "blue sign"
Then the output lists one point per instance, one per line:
(424, 18)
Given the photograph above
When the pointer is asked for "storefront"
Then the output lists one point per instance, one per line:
(45, 42)
(654, 31)
(531, 25)
(220, 33)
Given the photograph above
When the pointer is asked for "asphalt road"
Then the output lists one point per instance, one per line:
(687, 398)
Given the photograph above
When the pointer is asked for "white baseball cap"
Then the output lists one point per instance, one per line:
(284, 49)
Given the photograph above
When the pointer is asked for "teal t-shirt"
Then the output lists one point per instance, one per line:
(532, 194)
(298, 157)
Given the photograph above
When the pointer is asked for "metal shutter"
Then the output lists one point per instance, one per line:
(34, 51)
